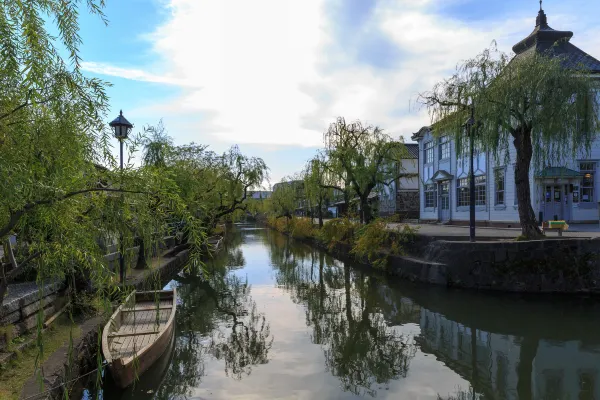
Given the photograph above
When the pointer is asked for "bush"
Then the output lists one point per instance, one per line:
(302, 228)
(279, 224)
(369, 241)
(340, 230)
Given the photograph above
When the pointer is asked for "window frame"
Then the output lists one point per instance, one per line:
(583, 188)
(430, 190)
(480, 190)
(444, 148)
(428, 147)
(498, 171)
(462, 192)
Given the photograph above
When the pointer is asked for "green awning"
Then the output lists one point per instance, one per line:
(558, 172)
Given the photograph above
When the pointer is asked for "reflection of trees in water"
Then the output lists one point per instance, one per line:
(343, 310)
(463, 395)
(217, 317)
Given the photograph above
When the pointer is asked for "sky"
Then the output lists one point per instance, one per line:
(271, 75)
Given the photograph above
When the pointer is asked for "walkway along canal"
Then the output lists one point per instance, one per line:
(284, 320)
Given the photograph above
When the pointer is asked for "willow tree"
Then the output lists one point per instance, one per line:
(60, 193)
(544, 106)
(365, 157)
(284, 199)
(316, 190)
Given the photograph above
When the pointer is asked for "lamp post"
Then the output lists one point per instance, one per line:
(121, 128)
(470, 132)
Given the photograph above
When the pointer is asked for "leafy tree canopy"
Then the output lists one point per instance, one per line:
(531, 100)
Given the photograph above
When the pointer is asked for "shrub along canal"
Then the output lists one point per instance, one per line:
(284, 320)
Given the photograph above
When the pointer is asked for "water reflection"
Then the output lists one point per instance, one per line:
(343, 308)
(279, 319)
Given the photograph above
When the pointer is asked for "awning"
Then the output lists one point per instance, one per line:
(558, 172)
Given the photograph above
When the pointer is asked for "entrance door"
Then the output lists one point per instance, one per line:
(553, 205)
(445, 201)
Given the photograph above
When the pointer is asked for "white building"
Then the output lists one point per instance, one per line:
(402, 196)
(568, 192)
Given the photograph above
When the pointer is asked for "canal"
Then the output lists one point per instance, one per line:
(281, 320)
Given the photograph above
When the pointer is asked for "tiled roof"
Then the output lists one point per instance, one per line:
(413, 150)
(558, 172)
(545, 39)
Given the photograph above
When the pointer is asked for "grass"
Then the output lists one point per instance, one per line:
(14, 375)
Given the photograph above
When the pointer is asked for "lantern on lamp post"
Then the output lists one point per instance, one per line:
(121, 128)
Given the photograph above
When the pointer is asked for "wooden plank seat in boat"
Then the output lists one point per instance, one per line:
(140, 329)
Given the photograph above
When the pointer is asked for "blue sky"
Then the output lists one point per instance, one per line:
(270, 75)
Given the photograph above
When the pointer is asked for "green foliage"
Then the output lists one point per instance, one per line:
(531, 102)
(338, 231)
(285, 197)
(370, 239)
(317, 191)
(302, 228)
(364, 158)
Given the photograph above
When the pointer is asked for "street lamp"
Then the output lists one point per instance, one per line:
(470, 132)
(121, 128)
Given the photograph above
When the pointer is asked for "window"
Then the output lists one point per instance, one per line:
(430, 196)
(428, 152)
(575, 194)
(480, 190)
(499, 176)
(444, 150)
(462, 192)
(587, 383)
(587, 183)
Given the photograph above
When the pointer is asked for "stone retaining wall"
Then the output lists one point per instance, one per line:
(19, 311)
(567, 265)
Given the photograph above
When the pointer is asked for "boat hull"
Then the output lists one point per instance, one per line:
(132, 341)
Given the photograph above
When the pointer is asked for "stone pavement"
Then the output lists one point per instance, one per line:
(582, 230)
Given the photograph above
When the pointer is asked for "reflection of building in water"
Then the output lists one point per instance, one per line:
(560, 370)
(566, 370)
(398, 310)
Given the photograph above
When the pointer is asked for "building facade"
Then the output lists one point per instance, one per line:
(402, 196)
(565, 192)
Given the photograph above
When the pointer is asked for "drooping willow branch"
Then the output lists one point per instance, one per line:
(16, 215)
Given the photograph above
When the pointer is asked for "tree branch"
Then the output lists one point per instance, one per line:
(15, 216)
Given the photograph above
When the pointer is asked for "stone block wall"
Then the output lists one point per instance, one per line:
(407, 203)
(559, 265)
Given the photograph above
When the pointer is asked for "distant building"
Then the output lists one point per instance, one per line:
(565, 192)
(259, 194)
(402, 196)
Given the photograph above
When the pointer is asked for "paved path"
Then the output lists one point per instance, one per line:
(575, 230)
(463, 231)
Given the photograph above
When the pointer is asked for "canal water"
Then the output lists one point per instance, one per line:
(281, 320)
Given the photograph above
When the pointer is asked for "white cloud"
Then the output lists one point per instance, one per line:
(269, 71)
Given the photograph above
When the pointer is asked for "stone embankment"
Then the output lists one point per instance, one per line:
(553, 265)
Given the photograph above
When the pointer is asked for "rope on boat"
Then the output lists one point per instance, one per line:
(64, 383)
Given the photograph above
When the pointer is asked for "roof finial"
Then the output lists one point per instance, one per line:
(540, 5)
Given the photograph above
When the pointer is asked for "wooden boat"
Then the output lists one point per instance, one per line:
(138, 333)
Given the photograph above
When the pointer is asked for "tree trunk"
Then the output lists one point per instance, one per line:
(365, 210)
(320, 204)
(522, 142)
(527, 354)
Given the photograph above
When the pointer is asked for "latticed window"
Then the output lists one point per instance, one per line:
(444, 149)
(430, 196)
(462, 192)
(586, 190)
(480, 190)
(429, 152)
(499, 182)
